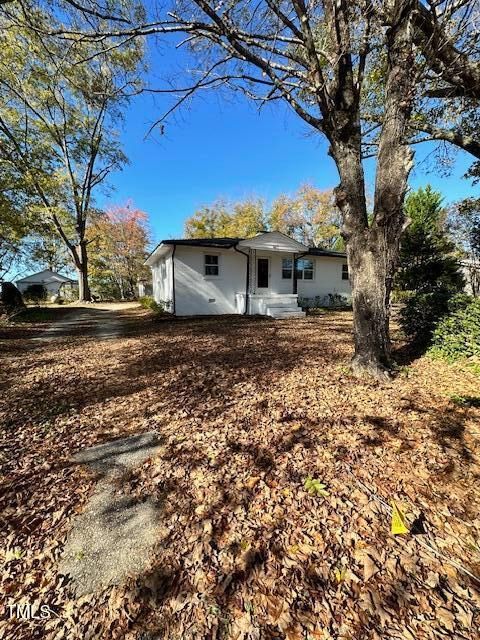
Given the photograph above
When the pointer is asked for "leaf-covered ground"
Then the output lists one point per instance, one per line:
(247, 410)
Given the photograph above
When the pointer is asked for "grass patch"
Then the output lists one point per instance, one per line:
(465, 401)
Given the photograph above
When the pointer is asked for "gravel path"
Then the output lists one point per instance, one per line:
(112, 538)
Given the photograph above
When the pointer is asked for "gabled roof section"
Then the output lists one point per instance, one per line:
(46, 276)
(274, 241)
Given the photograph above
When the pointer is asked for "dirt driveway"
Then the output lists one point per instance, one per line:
(246, 410)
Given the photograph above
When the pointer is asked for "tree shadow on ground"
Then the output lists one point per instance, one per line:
(193, 594)
(247, 410)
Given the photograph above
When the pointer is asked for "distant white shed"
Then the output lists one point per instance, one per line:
(51, 280)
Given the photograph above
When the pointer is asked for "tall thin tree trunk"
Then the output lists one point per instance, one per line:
(81, 264)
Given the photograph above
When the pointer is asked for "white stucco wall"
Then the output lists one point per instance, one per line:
(198, 294)
(327, 278)
(162, 280)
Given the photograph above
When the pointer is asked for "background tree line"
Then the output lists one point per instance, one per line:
(310, 216)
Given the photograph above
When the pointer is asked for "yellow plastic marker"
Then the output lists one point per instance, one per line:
(398, 520)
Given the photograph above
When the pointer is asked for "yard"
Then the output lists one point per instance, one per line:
(247, 409)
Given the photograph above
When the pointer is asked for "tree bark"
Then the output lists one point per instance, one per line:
(370, 271)
(81, 264)
(373, 249)
(371, 288)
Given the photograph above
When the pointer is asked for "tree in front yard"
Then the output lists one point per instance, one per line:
(315, 58)
(59, 118)
(119, 241)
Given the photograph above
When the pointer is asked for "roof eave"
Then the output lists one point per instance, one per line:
(160, 250)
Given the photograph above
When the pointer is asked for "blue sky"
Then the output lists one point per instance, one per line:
(223, 147)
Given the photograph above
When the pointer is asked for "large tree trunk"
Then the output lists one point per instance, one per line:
(370, 269)
(371, 280)
(81, 264)
(373, 249)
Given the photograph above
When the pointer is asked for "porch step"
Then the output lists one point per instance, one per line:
(283, 312)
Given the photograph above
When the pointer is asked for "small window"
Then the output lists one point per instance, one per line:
(287, 268)
(344, 271)
(304, 270)
(211, 265)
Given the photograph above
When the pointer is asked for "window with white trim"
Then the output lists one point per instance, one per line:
(212, 266)
(287, 268)
(345, 275)
(304, 269)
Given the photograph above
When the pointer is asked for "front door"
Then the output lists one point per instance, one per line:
(262, 273)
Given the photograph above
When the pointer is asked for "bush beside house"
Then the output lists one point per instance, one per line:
(457, 335)
(148, 302)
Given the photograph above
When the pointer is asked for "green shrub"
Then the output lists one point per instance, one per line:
(459, 301)
(423, 311)
(457, 335)
(331, 300)
(148, 302)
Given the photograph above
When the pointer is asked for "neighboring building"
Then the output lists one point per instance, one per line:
(253, 276)
(471, 273)
(144, 287)
(52, 281)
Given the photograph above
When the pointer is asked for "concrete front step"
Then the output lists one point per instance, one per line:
(283, 312)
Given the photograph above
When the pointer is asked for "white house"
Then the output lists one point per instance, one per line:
(51, 280)
(253, 276)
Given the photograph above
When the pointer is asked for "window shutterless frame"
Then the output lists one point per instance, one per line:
(305, 269)
(287, 268)
(211, 264)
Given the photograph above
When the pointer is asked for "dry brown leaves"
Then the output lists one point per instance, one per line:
(247, 409)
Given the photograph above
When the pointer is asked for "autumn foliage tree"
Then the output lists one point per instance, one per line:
(222, 219)
(59, 117)
(118, 242)
(310, 216)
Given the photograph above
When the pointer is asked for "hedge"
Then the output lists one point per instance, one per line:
(457, 335)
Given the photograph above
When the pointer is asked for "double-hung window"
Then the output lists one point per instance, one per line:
(304, 270)
(212, 267)
(344, 271)
(287, 268)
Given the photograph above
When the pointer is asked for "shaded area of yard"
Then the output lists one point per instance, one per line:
(247, 409)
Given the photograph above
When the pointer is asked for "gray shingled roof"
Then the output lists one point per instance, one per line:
(228, 243)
